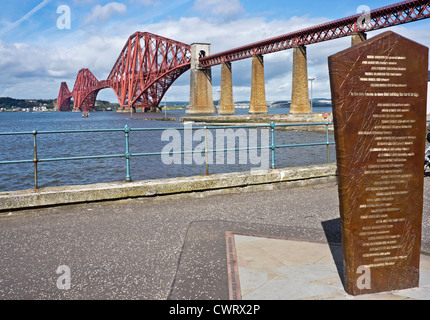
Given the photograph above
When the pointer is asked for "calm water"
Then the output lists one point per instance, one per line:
(78, 172)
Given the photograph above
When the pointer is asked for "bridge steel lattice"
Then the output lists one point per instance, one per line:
(149, 64)
(146, 68)
(355, 26)
(389, 16)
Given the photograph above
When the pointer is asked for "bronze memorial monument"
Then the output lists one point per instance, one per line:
(379, 93)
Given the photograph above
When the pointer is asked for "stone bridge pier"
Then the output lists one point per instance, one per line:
(358, 37)
(226, 101)
(300, 102)
(258, 103)
(201, 96)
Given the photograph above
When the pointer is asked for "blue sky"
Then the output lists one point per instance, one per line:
(87, 14)
(36, 56)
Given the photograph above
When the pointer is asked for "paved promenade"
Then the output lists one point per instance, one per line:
(169, 248)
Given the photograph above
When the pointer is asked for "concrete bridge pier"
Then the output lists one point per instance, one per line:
(300, 102)
(226, 100)
(358, 37)
(258, 102)
(125, 109)
(201, 97)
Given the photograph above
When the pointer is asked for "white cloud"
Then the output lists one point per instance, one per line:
(40, 68)
(36, 71)
(83, 2)
(13, 25)
(147, 3)
(225, 9)
(278, 66)
(103, 13)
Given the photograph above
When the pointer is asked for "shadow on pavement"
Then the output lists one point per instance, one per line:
(332, 230)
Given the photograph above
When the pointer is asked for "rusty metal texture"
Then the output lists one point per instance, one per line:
(379, 93)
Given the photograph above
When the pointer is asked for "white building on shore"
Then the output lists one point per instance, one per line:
(40, 109)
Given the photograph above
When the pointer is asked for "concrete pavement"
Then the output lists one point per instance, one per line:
(175, 247)
(278, 269)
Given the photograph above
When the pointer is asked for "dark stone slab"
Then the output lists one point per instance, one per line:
(379, 93)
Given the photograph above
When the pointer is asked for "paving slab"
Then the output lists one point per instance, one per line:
(282, 269)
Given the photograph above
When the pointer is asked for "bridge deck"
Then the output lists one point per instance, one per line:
(388, 16)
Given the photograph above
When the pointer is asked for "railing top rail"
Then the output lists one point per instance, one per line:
(171, 128)
(185, 127)
(58, 131)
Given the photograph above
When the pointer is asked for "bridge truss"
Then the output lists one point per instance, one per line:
(396, 14)
(149, 64)
(146, 68)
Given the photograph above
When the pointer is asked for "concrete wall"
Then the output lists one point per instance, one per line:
(224, 183)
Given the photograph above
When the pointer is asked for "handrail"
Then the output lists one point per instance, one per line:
(128, 155)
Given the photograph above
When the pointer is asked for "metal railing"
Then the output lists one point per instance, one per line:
(128, 155)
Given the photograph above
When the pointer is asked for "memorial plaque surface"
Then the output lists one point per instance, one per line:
(379, 93)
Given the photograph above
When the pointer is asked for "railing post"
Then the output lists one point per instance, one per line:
(35, 159)
(206, 151)
(328, 144)
(127, 152)
(273, 146)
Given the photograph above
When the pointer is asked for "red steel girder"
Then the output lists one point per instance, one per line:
(63, 99)
(146, 68)
(399, 13)
(86, 89)
(149, 64)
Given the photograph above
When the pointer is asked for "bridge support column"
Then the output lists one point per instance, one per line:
(201, 98)
(358, 37)
(125, 109)
(258, 102)
(300, 89)
(226, 100)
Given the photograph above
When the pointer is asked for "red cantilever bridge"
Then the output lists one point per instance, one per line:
(146, 68)
(149, 64)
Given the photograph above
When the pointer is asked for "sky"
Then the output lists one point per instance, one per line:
(40, 47)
